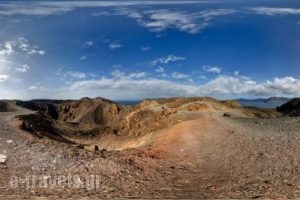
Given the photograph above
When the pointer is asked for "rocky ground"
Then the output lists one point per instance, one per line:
(207, 156)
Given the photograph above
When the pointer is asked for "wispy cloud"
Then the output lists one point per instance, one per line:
(13, 53)
(101, 13)
(275, 11)
(60, 7)
(84, 57)
(118, 3)
(32, 9)
(6, 49)
(213, 69)
(33, 87)
(113, 46)
(180, 76)
(163, 19)
(34, 51)
(117, 74)
(20, 45)
(88, 43)
(145, 49)
(23, 68)
(160, 69)
(154, 20)
(160, 20)
(36, 86)
(75, 74)
(168, 59)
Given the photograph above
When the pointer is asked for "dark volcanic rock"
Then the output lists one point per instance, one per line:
(291, 108)
(45, 107)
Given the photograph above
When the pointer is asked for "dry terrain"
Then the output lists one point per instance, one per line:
(164, 148)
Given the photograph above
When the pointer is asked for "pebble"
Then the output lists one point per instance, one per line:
(3, 158)
(47, 177)
(9, 141)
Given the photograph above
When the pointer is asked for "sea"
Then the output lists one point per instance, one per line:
(259, 103)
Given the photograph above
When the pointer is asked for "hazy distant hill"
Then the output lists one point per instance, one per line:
(271, 102)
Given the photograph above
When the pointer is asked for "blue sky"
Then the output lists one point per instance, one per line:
(128, 50)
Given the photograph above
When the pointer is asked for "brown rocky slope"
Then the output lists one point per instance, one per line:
(94, 123)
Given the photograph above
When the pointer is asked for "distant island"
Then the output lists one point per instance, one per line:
(271, 102)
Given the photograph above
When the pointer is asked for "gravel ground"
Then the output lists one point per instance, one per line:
(211, 157)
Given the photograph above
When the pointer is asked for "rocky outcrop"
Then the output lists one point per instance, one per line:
(291, 108)
(45, 107)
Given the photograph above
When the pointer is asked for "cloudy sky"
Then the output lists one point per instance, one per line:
(129, 50)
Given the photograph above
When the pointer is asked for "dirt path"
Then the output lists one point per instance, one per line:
(218, 157)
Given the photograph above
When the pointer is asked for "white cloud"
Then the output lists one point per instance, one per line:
(179, 76)
(132, 88)
(13, 52)
(101, 13)
(84, 57)
(12, 9)
(4, 77)
(244, 86)
(213, 69)
(38, 52)
(59, 7)
(117, 66)
(167, 59)
(4, 60)
(208, 15)
(275, 11)
(20, 45)
(161, 20)
(236, 73)
(23, 68)
(6, 49)
(113, 46)
(137, 85)
(36, 86)
(155, 20)
(117, 74)
(202, 77)
(33, 87)
(145, 48)
(88, 43)
(137, 75)
(160, 69)
(75, 75)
